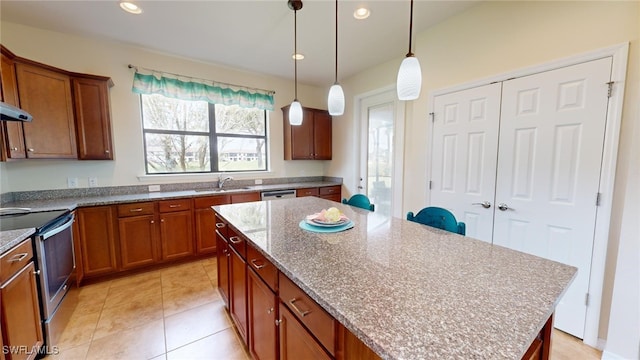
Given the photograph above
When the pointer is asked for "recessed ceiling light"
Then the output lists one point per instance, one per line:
(361, 13)
(297, 56)
(130, 7)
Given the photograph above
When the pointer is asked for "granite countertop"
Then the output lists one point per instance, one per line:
(10, 238)
(406, 290)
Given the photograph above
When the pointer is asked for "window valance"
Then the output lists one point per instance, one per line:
(147, 81)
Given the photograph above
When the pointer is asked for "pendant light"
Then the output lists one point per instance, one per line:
(336, 95)
(410, 75)
(295, 110)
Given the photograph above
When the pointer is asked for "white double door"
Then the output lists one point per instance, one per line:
(519, 162)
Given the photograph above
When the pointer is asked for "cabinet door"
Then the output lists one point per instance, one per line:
(93, 123)
(205, 231)
(138, 244)
(176, 234)
(21, 325)
(238, 299)
(322, 135)
(263, 343)
(295, 341)
(222, 256)
(46, 95)
(13, 136)
(97, 226)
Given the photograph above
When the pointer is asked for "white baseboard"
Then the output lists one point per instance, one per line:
(608, 355)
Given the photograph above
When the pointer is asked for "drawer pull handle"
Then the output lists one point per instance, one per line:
(269, 311)
(235, 239)
(257, 266)
(174, 206)
(31, 150)
(18, 257)
(293, 305)
(14, 149)
(135, 210)
(219, 225)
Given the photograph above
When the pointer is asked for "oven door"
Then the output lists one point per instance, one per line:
(56, 262)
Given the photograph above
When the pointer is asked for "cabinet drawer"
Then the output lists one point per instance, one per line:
(174, 205)
(263, 267)
(221, 226)
(237, 242)
(307, 192)
(15, 259)
(209, 201)
(330, 190)
(135, 209)
(321, 325)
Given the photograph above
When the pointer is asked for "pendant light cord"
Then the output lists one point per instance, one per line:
(410, 29)
(336, 79)
(295, 53)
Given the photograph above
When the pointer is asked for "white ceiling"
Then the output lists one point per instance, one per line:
(251, 35)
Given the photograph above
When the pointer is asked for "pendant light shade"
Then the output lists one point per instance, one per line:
(409, 80)
(295, 113)
(295, 110)
(335, 100)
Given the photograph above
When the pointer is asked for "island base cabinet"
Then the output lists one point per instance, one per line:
(21, 325)
(262, 319)
(295, 342)
(222, 259)
(238, 295)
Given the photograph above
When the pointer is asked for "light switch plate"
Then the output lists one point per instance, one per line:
(93, 181)
(258, 181)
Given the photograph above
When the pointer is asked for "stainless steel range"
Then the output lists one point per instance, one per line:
(55, 262)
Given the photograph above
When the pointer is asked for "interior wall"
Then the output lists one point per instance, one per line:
(101, 57)
(493, 38)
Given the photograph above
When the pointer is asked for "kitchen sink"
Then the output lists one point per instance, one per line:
(223, 190)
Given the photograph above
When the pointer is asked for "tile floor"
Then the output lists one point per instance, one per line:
(177, 313)
(172, 313)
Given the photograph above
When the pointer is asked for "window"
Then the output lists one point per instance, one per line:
(182, 136)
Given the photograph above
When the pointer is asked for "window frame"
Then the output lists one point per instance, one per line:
(212, 135)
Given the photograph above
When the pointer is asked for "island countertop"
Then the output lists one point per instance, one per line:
(406, 290)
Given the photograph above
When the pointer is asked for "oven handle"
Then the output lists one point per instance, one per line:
(59, 229)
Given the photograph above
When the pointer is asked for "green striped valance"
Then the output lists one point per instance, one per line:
(170, 85)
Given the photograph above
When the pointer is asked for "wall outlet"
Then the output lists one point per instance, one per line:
(258, 181)
(93, 181)
(72, 182)
(154, 188)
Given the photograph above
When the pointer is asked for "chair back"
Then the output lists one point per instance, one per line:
(439, 218)
(361, 201)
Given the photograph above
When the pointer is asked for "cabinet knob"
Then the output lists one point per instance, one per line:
(153, 222)
(161, 220)
(107, 151)
(31, 150)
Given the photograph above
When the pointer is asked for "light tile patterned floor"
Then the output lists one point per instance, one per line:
(173, 313)
(176, 313)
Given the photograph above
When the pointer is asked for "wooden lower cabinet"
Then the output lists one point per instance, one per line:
(238, 293)
(21, 324)
(295, 340)
(97, 228)
(223, 256)
(205, 222)
(245, 197)
(176, 234)
(138, 241)
(262, 312)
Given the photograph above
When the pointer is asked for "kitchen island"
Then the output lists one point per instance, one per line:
(408, 291)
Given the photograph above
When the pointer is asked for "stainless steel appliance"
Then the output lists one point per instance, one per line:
(55, 263)
(278, 194)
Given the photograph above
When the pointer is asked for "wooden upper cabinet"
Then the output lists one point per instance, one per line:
(46, 95)
(312, 139)
(93, 123)
(12, 139)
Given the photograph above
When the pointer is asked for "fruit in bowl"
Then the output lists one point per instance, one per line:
(332, 214)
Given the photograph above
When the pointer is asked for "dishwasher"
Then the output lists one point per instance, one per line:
(278, 194)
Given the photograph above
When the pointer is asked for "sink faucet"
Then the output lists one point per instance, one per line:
(222, 180)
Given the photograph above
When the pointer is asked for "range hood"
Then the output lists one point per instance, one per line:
(11, 113)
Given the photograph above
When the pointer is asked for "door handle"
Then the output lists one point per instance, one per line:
(485, 204)
(504, 207)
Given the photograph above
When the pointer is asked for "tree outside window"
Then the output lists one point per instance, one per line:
(195, 136)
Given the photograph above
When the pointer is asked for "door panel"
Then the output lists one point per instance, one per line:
(465, 142)
(551, 142)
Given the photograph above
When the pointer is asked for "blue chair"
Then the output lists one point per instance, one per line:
(361, 201)
(439, 218)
